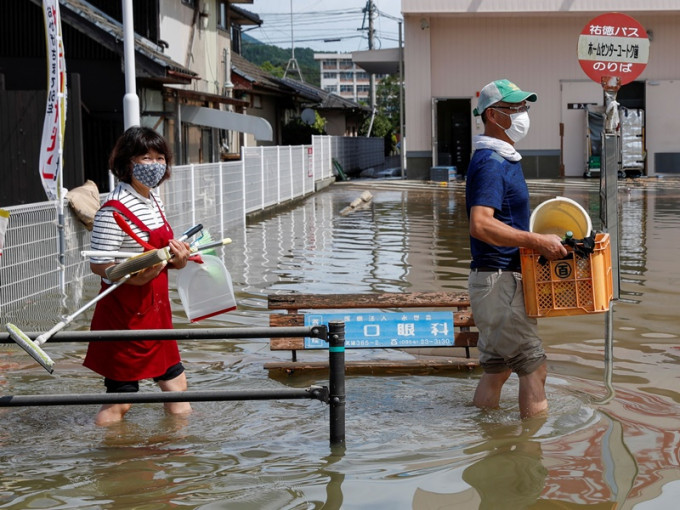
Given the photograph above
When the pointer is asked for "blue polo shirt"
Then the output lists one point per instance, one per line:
(495, 182)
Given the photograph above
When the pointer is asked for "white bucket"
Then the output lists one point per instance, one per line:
(205, 289)
(560, 215)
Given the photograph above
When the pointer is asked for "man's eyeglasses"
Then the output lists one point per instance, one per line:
(514, 109)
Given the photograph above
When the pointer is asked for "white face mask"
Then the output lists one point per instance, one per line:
(519, 125)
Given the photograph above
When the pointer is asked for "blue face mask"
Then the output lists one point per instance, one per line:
(149, 174)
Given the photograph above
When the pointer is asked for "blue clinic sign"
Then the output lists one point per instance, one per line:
(377, 330)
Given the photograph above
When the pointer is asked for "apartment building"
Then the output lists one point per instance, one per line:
(341, 76)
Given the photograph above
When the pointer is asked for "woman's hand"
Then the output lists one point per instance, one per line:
(180, 253)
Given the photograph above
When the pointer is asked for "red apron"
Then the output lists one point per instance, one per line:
(135, 307)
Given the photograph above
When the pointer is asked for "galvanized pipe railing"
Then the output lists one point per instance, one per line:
(178, 334)
(335, 397)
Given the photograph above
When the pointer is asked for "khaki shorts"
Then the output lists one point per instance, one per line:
(508, 339)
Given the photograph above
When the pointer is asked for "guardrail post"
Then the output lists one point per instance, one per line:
(336, 380)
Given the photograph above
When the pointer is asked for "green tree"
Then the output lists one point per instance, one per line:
(387, 99)
(386, 121)
(272, 69)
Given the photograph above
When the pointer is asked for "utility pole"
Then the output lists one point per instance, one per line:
(369, 4)
(130, 100)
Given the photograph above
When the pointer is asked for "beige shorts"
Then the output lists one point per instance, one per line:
(508, 339)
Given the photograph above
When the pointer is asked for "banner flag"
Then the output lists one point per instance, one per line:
(52, 143)
(4, 220)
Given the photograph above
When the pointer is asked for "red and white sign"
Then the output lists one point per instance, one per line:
(613, 45)
(55, 111)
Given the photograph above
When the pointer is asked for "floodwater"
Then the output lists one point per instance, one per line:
(611, 439)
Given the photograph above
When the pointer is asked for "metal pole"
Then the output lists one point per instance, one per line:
(130, 100)
(313, 392)
(177, 334)
(336, 381)
(609, 214)
(402, 153)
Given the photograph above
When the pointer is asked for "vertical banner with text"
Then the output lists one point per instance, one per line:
(52, 142)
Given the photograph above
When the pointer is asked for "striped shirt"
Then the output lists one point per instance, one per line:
(107, 235)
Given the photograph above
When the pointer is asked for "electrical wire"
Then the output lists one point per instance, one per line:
(313, 26)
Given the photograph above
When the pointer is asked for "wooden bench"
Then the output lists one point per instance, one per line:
(426, 357)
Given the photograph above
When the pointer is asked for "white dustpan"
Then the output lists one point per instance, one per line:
(205, 289)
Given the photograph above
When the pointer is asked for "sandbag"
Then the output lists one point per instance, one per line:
(84, 200)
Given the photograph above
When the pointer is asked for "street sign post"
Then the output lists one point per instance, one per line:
(613, 50)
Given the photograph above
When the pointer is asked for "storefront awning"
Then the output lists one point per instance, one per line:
(258, 127)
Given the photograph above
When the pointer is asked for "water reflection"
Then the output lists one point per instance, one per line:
(510, 473)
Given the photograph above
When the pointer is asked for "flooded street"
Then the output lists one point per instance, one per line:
(412, 441)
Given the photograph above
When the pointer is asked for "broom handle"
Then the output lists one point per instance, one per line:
(127, 254)
(41, 339)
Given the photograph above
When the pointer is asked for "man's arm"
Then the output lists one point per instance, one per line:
(485, 227)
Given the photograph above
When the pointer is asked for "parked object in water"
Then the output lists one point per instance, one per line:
(357, 204)
(368, 173)
(388, 172)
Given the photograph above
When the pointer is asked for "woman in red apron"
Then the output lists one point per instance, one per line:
(140, 160)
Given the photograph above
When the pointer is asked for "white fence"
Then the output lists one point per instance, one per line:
(217, 195)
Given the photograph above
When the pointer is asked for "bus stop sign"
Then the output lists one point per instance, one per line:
(613, 45)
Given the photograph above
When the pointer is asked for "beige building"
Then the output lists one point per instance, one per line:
(454, 47)
(341, 76)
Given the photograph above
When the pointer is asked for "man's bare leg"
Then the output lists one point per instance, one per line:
(532, 399)
(488, 392)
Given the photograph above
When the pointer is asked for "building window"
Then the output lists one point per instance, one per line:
(346, 88)
(222, 14)
(190, 3)
(330, 76)
(345, 76)
(330, 64)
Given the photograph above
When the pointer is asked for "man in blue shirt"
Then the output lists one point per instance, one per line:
(497, 202)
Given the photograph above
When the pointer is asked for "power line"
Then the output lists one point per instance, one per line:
(313, 26)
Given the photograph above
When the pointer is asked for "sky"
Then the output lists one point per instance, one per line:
(316, 23)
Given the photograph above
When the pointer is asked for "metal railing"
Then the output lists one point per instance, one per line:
(333, 395)
(218, 195)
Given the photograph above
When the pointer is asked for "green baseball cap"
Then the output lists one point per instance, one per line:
(501, 90)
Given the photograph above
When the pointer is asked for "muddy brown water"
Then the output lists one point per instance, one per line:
(412, 441)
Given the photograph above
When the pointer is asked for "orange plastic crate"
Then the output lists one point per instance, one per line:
(574, 285)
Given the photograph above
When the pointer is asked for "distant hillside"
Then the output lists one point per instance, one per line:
(259, 53)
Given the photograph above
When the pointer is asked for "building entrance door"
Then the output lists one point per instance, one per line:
(451, 133)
